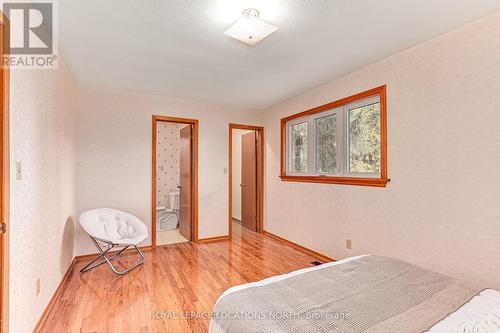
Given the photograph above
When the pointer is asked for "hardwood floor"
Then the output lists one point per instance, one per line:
(174, 280)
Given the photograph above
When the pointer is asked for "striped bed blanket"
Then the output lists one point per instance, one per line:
(371, 294)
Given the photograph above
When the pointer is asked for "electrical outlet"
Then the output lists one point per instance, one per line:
(38, 287)
(19, 171)
(348, 244)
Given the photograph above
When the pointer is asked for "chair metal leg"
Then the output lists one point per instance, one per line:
(140, 262)
(107, 260)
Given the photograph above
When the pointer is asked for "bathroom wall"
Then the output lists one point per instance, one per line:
(167, 161)
(236, 172)
(42, 202)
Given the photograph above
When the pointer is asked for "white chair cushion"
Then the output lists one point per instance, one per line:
(113, 226)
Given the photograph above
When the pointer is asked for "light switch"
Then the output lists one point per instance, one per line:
(225, 170)
(19, 171)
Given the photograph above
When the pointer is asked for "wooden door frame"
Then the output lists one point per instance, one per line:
(260, 176)
(5, 176)
(194, 180)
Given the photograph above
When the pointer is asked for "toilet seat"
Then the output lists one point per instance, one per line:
(166, 218)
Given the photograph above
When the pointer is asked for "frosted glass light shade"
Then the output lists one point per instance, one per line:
(250, 30)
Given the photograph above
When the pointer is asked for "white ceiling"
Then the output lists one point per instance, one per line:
(177, 48)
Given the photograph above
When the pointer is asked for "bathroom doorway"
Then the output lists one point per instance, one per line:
(246, 181)
(174, 180)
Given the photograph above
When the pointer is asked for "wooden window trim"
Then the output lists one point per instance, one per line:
(377, 182)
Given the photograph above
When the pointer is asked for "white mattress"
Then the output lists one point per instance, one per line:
(480, 315)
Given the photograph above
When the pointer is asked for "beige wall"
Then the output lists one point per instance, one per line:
(236, 172)
(441, 209)
(114, 155)
(43, 202)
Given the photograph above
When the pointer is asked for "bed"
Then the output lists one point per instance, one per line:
(359, 294)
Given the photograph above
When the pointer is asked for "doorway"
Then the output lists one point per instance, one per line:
(174, 181)
(246, 181)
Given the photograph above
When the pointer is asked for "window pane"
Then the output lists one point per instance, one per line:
(326, 144)
(364, 139)
(298, 147)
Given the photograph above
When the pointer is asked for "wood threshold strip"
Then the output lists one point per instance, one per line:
(55, 297)
(300, 248)
(214, 239)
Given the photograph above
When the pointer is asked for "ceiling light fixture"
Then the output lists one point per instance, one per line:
(250, 28)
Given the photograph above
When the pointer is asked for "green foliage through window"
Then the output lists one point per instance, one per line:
(299, 147)
(338, 141)
(364, 139)
(326, 144)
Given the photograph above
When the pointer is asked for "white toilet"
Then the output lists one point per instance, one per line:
(168, 218)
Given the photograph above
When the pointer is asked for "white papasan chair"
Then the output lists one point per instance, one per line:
(114, 228)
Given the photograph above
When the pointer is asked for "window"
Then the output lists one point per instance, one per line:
(298, 147)
(343, 142)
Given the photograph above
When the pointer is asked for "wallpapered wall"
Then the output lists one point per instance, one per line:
(43, 110)
(440, 209)
(167, 161)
